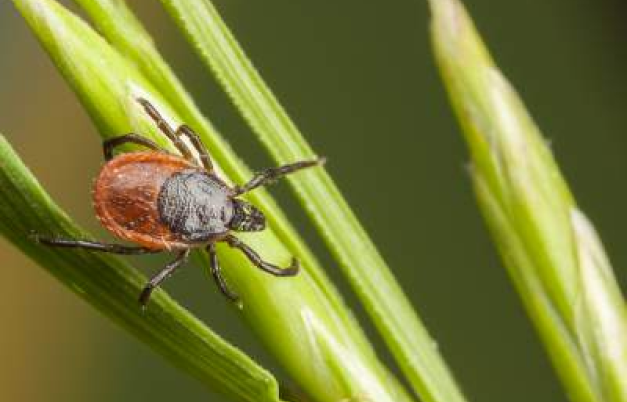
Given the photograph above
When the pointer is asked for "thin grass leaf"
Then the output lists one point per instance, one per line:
(368, 274)
(550, 249)
(318, 343)
(112, 286)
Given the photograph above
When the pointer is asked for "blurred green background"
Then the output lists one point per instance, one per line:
(359, 80)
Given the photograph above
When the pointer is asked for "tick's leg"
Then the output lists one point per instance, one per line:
(216, 272)
(272, 174)
(197, 143)
(166, 129)
(95, 246)
(109, 145)
(259, 263)
(161, 276)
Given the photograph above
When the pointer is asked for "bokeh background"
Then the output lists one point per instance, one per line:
(359, 80)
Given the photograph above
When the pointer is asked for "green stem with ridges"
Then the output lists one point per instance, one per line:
(553, 255)
(366, 270)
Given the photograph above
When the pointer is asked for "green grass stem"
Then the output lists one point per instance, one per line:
(550, 249)
(368, 274)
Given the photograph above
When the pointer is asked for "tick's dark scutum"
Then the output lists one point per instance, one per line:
(195, 205)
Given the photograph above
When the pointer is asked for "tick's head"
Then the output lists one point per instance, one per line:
(246, 217)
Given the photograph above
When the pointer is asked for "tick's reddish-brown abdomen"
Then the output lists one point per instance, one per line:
(126, 197)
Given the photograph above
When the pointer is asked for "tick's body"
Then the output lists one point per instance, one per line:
(162, 201)
(166, 202)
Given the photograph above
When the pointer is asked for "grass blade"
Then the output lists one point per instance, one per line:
(550, 249)
(112, 286)
(370, 277)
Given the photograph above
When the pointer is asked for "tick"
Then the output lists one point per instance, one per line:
(170, 203)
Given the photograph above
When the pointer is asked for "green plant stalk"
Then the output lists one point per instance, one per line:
(366, 270)
(112, 286)
(553, 255)
(320, 346)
